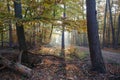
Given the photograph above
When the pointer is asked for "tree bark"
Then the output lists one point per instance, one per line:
(10, 26)
(19, 26)
(63, 65)
(117, 33)
(2, 38)
(63, 35)
(20, 30)
(93, 38)
(104, 27)
(111, 22)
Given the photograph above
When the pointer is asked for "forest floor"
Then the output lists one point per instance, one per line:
(110, 55)
(78, 65)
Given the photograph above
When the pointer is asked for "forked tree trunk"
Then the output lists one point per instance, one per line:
(20, 29)
(19, 26)
(94, 44)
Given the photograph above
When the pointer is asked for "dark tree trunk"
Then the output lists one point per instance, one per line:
(63, 34)
(19, 26)
(10, 35)
(111, 22)
(94, 44)
(2, 38)
(117, 33)
(63, 43)
(63, 65)
(34, 35)
(108, 36)
(104, 27)
(20, 29)
(10, 26)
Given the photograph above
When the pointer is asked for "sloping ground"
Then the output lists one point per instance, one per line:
(77, 68)
(112, 50)
(109, 55)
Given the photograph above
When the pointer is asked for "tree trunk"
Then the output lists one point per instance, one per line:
(10, 26)
(63, 35)
(108, 36)
(104, 27)
(94, 44)
(19, 26)
(117, 33)
(34, 34)
(111, 22)
(2, 38)
(16, 66)
(63, 65)
(20, 29)
(63, 43)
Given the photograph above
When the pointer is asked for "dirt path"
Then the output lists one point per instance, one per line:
(109, 57)
(112, 57)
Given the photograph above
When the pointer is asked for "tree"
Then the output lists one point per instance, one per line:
(63, 34)
(111, 22)
(63, 65)
(2, 37)
(104, 27)
(93, 38)
(19, 28)
(117, 33)
(10, 26)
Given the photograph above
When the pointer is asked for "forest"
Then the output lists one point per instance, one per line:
(59, 39)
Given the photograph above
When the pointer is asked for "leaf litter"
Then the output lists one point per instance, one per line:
(50, 69)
